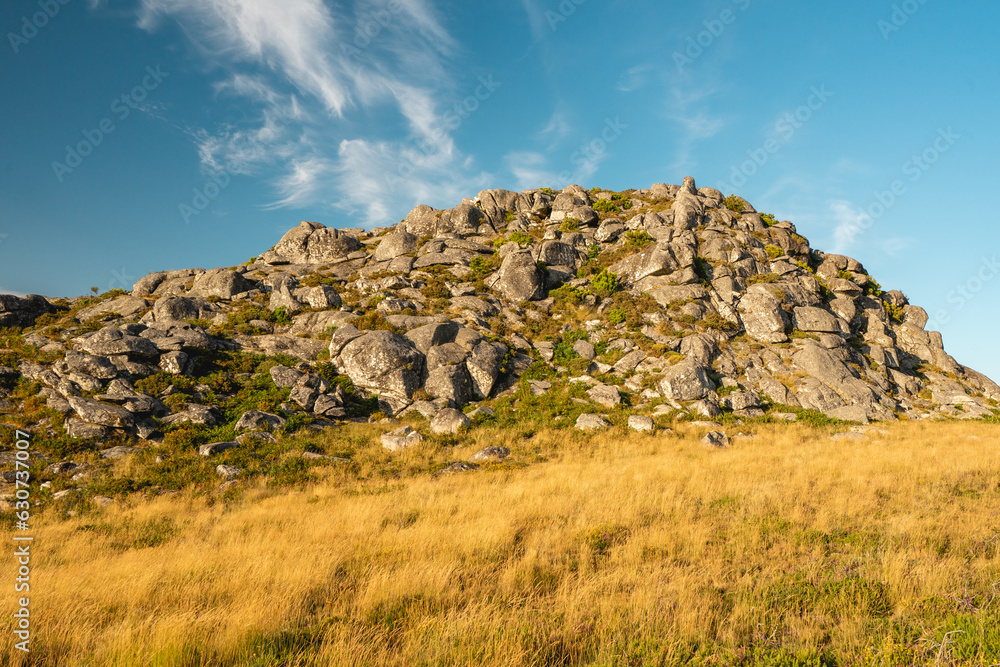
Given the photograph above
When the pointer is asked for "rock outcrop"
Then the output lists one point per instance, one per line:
(671, 298)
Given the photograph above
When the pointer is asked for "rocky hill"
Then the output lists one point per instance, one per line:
(672, 302)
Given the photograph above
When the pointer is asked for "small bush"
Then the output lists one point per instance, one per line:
(483, 266)
(605, 283)
(734, 204)
(873, 288)
(763, 278)
(374, 320)
(773, 251)
(520, 238)
(768, 219)
(894, 312)
(570, 225)
(616, 316)
(638, 239)
(605, 206)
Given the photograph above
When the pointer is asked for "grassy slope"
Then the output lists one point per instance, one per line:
(786, 549)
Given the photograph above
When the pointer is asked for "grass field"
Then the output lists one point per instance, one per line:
(615, 549)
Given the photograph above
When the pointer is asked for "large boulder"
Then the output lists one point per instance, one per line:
(383, 363)
(112, 341)
(394, 245)
(102, 414)
(22, 312)
(448, 420)
(222, 283)
(169, 308)
(449, 382)
(422, 221)
(463, 219)
(312, 243)
(519, 278)
(686, 381)
(763, 318)
(485, 365)
(657, 260)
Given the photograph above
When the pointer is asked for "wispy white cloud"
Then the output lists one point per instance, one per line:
(536, 18)
(849, 223)
(530, 169)
(313, 75)
(687, 107)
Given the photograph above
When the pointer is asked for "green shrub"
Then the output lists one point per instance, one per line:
(872, 288)
(519, 238)
(768, 219)
(734, 204)
(605, 283)
(483, 266)
(894, 312)
(773, 251)
(509, 216)
(567, 294)
(605, 206)
(616, 316)
(638, 239)
(570, 225)
(845, 275)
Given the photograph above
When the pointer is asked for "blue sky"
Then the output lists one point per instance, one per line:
(156, 134)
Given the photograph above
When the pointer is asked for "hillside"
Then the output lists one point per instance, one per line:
(607, 379)
(666, 301)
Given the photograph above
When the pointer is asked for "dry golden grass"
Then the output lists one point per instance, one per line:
(787, 549)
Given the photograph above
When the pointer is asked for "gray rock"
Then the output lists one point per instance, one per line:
(227, 471)
(111, 341)
(585, 349)
(605, 395)
(430, 335)
(77, 428)
(393, 245)
(686, 381)
(321, 296)
(641, 423)
(384, 363)
(484, 365)
(254, 420)
(422, 221)
(214, 448)
(170, 308)
(629, 361)
(449, 382)
(195, 414)
(519, 278)
(282, 297)
(90, 364)
(223, 283)
(401, 438)
(762, 316)
(176, 363)
(312, 243)
(103, 414)
(715, 439)
(283, 376)
(811, 319)
(460, 466)
(491, 454)
(591, 422)
(22, 312)
(448, 420)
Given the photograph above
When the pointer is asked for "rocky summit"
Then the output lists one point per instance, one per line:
(669, 300)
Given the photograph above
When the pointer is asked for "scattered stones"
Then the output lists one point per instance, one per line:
(227, 471)
(214, 448)
(491, 454)
(591, 422)
(448, 420)
(715, 439)
(401, 438)
(641, 423)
